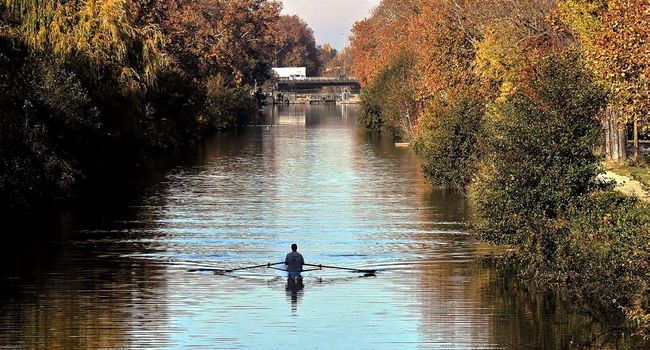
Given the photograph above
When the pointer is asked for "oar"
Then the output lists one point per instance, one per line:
(250, 267)
(285, 270)
(320, 266)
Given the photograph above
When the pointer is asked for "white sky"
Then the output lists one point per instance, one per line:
(331, 20)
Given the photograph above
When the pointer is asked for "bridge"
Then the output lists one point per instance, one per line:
(315, 83)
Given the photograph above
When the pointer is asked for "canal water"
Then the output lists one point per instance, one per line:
(136, 274)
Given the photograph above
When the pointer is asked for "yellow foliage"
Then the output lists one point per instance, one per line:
(498, 55)
(101, 31)
(583, 16)
(614, 36)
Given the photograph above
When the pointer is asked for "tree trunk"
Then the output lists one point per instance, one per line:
(615, 137)
(636, 138)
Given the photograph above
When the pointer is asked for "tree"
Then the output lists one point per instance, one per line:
(327, 54)
(340, 65)
(449, 139)
(446, 30)
(219, 37)
(613, 35)
(513, 32)
(294, 45)
(88, 88)
(101, 32)
(388, 102)
(381, 38)
(621, 56)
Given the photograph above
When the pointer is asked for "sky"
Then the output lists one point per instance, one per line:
(331, 20)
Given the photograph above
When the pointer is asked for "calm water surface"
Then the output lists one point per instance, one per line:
(120, 277)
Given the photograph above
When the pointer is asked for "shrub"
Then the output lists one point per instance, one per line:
(448, 140)
(540, 153)
(37, 100)
(538, 190)
(226, 106)
(388, 103)
(605, 257)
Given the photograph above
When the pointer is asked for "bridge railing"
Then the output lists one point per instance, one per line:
(315, 79)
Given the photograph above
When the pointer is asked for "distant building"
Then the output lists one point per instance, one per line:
(290, 72)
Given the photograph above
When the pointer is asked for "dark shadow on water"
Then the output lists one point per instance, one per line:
(295, 289)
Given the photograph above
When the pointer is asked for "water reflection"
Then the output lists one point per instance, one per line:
(294, 288)
(118, 277)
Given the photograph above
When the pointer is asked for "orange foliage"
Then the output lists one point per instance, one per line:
(444, 32)
(210, 37)
(379, 39)
(294, 45)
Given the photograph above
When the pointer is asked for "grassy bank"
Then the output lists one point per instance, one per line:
(638, 173)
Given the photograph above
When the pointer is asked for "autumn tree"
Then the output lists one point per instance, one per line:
(505, 104)
(621, 55)
(220, 37)
(101, 32)
(294, 45)
(379, 39)
(511, 32)
(88, 88)
(327, 54)
(341, 65)
(76, 75)
(614, 37)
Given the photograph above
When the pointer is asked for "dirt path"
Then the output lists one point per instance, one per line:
(628, 186)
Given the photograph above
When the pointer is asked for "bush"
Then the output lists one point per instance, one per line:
(173, 106)
(226, 106)
(538, 190)
(540, 153)
(448, 140)
(605, 257)
(388, 103)
(370, 108)
(37, 100)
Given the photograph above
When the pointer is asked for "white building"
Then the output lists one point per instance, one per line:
(290, 72)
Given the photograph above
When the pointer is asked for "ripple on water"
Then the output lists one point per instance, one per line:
(144, 277)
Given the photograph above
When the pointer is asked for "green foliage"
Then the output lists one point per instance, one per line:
(172, 110)
(226, 106)
(370, 111)
(38, 99)
(538, 190)
(449, 140)
(540, 152)
(389, 101)
(605, 256)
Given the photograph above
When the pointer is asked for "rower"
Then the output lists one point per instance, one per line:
(294, 262)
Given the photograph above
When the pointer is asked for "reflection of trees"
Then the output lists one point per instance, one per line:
(79, 303)
(74, 289)
(486, 299)
(545, 317)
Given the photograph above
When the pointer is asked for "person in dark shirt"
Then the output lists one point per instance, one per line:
(294, 262)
